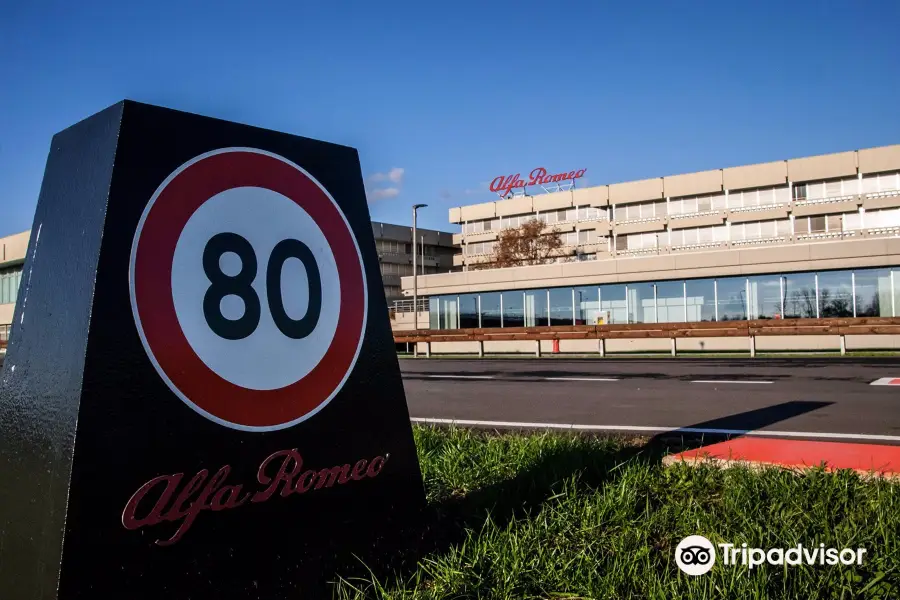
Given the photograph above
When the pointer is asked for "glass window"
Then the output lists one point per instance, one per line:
(896, 286)
(612, 304)
(800, 296)
(468, 311)
(701, 300)
(587, 305)
(641, 303)
(561, 306)
(817, 224)
(513, 309)
(835, 294)
(448, 312)
(434, 321)
(670, 302)
(799, 192)
(535, 308)
(765, 297)
(490, 309)
(732, 298)
(873, 293)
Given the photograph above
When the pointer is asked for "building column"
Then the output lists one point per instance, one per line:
(601, 347)
(537, 348)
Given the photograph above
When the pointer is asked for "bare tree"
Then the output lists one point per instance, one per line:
(527, 244)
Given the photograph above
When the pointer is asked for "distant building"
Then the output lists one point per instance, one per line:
(394, 246)
(804, 237)
(12, 257)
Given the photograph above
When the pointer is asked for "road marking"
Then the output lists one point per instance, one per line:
(651, 429)
(728, 381)
(579, 379)
(886, 381)
(460, 376)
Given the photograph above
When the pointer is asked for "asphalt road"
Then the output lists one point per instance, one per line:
(820, 398)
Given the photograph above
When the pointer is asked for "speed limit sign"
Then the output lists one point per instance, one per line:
(248, 289)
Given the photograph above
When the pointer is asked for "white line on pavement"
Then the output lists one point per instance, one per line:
(579, 379)
(649, 429)
(460, 376)
(886, 381)
(728, 381)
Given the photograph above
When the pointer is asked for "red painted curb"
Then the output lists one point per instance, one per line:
(864, 458)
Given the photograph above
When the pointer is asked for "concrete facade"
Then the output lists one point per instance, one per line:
(394, 246)
(842, 196)
(12, 256)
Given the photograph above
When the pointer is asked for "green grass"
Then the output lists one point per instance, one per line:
(521, 515)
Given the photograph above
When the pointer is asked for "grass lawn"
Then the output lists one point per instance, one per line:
(552, 515)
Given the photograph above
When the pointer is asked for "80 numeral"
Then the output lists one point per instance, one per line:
(240, 285)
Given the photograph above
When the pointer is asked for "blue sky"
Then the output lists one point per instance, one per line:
(441, 99)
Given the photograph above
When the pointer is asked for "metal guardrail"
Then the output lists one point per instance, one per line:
(748, 329)
(406, 306)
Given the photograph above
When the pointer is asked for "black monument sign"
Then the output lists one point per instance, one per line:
(201, 397)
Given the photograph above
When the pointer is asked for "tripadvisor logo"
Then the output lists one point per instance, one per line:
(696, 555)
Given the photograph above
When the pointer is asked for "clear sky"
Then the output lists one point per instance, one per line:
(441, 98)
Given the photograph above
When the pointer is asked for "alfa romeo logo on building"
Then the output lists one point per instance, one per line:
(248, 289)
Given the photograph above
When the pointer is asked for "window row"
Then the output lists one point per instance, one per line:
(873, 183)
(9, 285)
(395, 269)
(851, 293)
(479, 248)
(848, 186)
(393, 247)
(587, 236)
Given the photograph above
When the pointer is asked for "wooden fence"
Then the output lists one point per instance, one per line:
(737, 329)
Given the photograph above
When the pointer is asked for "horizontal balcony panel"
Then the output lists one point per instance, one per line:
(657, 224)
(882, 200)
(753, 176)
(826, 166)
(594, 248)
(693, 184)
(395, 258)
(706, 246)
(824, 208)
(699, 220)
(592, 196)
(474, 212)
(878, 160)
(457, 239)
(553, 201)
(521, 205)
(764, 214)
(456, 215)
(484, 236)
(559, 228)
(636, 191)
(600, 225)
(457, 260)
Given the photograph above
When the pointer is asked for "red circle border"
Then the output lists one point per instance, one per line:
(151, 278)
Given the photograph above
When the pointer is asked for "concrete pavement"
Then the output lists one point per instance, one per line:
(829, 398)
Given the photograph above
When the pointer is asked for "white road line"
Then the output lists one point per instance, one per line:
(460, 376)
(649, 429)
(886, 381)
(578, 379)
(728, 381)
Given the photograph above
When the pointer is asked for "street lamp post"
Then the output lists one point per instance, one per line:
(415, 272)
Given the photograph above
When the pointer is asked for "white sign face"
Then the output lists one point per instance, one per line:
(266, 359)
(248, 289)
